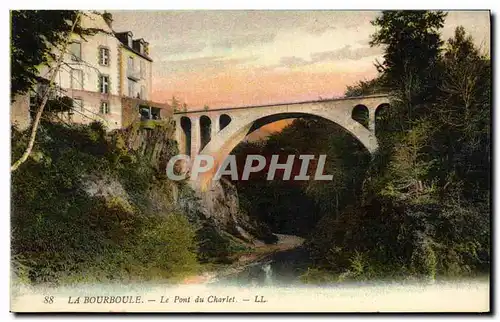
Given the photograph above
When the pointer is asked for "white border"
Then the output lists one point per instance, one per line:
(189, 4)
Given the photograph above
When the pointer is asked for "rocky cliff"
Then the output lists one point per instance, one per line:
(153, 140)
(216, 209)
(221, 204)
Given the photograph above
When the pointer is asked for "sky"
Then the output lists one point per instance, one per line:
(239, 58)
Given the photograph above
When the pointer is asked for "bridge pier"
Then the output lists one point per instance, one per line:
(371, 121)
(179, 135)
(195, 136)
(215, 127)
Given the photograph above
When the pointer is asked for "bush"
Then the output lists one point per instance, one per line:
(214, 247)
(167, 245)
(387, 239)
(317, 276)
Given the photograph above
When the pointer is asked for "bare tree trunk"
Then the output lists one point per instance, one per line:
(38, 116)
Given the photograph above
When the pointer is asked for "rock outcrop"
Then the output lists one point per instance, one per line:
(221, 203)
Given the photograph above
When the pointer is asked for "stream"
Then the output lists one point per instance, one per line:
(283, 266)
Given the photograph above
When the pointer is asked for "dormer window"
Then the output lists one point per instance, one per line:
(141, 47)
(129, 39)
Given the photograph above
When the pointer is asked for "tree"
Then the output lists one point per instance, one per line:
(34, 35)
(175, 103)
(465, 87)
(411, 60)
(363, 88)
(45, 98)
(425, 208)
(40, 37)
(461, 118)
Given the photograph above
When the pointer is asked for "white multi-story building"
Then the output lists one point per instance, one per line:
(108, 75)
(90, 75)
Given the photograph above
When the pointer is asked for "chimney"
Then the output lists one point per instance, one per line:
(108, 18)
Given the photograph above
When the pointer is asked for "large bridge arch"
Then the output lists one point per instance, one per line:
(244, 120)
(226, 140)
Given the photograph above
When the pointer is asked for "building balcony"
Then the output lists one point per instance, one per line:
(134, 74)
(149, 112)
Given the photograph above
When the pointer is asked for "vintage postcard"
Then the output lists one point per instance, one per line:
(250, 161)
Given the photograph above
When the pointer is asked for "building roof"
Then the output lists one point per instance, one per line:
(122, 37)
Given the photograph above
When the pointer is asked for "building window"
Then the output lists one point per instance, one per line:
(131, 88)
(130, 66)
(76, 80)
(104, 84)
(103, 56)
(76, 51)
(78, 104)
(143, 69)
(104, 108)
(143, 92)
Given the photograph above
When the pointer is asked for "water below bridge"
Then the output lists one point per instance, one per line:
(281, 267)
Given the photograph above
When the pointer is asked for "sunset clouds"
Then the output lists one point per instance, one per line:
(236, 58)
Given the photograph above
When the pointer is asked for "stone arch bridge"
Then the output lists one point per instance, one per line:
(217, 132)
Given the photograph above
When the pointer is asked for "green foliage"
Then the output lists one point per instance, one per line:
(217, 247)
(419, 207)
(295, 207)
(168, 246)
(150, 124)
(57, 105)
(316, 276)
(409, 166)
(213, 246)
(461, 143)
(411, 59)
(363, 88)
(396, 239)
(63, 232)
(175, 103)
(423, 260)
(284, 208)
(425, 208)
